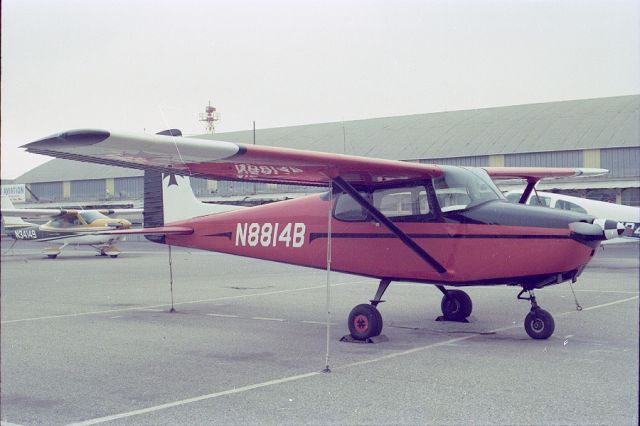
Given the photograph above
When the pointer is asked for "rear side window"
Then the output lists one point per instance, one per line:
(568, 205)
(539, 201)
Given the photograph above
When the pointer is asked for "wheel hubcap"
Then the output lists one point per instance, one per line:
(453, 306)
(361, 323)
(537, 325)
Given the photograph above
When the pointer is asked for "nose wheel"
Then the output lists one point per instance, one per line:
(538, 323)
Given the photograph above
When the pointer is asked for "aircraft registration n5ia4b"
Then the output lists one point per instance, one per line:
(66, 226)
(392, 220)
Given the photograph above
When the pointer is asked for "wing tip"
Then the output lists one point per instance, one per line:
(75, 138)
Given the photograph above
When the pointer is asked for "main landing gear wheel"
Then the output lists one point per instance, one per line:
(456, 305)
(539, 324)
(365, 322)
(52, 256)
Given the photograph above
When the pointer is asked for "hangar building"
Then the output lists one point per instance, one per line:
(601, 133)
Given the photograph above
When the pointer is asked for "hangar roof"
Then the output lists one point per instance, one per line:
(553, 126)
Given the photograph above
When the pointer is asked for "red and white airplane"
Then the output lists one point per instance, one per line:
(391, 220)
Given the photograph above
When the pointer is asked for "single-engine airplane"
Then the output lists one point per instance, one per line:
(391, 220)
(628, 215)
(66, 226)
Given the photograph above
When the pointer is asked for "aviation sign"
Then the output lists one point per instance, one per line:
(15, 192)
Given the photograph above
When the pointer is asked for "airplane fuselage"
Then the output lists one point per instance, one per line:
(493, 243)
(83, 236)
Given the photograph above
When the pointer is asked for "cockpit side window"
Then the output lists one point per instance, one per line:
(461, 188)
(90, 215)
(401, 202)
(408, 203)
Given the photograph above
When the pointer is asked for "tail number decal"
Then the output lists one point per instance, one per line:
(270, 234)
(26, 234)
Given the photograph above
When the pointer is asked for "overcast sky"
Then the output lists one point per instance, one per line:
(139, 65)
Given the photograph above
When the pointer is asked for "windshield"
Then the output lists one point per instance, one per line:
(460, 188)
(89, 216)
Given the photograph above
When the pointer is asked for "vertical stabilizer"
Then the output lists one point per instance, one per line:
(169, 198)
(11, 221)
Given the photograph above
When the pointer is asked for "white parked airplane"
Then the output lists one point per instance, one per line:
(628, 215)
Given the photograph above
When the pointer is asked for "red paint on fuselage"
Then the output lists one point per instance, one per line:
(463, 249)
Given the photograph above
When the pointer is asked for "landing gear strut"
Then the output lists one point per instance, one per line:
(365, 321)
(538, 323)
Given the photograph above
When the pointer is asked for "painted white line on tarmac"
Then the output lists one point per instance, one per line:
(608, 291)
(268, 319)
(192, 302)
(318, 322)
(223, 316)
(3, 423)
(195, 399)
(312, 374)
(600, 306)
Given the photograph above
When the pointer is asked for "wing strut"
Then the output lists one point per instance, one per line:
(531, 183)
(346, 187)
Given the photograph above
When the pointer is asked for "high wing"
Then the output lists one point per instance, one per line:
(534, 174)
(224, 160)
(33, 212)
(121, 212)
(231, 161)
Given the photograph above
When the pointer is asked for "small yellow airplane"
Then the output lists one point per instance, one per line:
(66, 226)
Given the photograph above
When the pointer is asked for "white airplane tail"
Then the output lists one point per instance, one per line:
(11, 221)
(169, 198)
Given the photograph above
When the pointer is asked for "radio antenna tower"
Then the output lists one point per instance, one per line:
(209, 117)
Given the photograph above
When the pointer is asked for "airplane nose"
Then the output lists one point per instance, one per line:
(610, 228)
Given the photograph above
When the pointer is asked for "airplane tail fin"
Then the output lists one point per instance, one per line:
(169, 198)
(11, 221)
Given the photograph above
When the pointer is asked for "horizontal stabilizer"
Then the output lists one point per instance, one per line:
(161, 230)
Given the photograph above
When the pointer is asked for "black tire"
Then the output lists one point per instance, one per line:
(539, 324)
(364, 322)
(52, 256)
(456, 306)
(113, 256)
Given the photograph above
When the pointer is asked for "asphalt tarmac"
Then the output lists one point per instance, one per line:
(90, 340)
